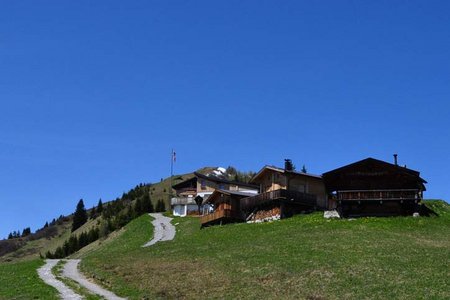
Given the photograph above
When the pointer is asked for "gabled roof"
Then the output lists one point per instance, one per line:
(222, 180)
(182, 184)
(363, 172)
(379, 162)
(282, 171)
(214, 179)
(229, 193)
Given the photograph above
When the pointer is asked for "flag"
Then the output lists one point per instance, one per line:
(174, 156)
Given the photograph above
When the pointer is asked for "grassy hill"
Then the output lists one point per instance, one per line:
(20, 281)
(29, 248)
(303, 257)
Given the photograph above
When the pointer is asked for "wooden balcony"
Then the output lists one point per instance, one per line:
(182, 201)
(220, 215)
(378, 195)
(286, 195)
(192, 190)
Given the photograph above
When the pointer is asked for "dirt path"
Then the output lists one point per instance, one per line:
(164, 230)
(45, 273)
(71, 271)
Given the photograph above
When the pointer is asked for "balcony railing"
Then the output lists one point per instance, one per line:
(367, 195)
(182, 201)
(221, 214)
(186, 190)
(291, 196)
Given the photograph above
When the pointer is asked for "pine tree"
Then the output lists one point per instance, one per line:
(160, 206)
(80, 216)
(83, 240)
(10, 236)
(93, 213)
(304, 169)
(100, 206)
(138, 208)
(147, 205)
(93, 235)
(26, 231)
(73, 244)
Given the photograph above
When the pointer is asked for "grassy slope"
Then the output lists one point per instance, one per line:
(31, 249)
(302, 257)
(21, 281)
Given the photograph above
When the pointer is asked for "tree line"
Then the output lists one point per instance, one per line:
(115, 214)
(17, 234)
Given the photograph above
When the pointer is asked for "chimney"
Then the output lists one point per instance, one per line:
(288, 165)
(395, 160)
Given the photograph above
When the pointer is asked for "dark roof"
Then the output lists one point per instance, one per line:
(184, 183)
(339, 176)
(223, 180)
(281, 170)
(377, 161)
(214, 179)
(230, 193)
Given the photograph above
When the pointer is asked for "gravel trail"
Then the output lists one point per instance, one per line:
(164, 230)
(45, 273)
(71, 271)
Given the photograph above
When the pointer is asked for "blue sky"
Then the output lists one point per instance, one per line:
(94, 94)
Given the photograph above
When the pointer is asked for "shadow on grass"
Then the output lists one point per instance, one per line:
(425, 211)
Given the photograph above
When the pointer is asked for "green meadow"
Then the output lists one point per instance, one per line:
(306, 257)
(20, 280)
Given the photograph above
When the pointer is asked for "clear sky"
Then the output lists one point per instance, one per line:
(94, 94)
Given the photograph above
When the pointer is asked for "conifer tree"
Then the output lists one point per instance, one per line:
(304, 170)
(83, 240)
(160, 206)
(26, 231)
(100, 206)
(147, 204)
(80, 216)
(93, 213)
(138, 208)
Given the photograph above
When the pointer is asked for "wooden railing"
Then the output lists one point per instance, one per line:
(221, 214)
(188, 189)
(367, 195)
(182, 201)
(291, 196)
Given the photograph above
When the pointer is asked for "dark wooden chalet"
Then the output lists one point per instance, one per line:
(372, 187)
(226, 207)
(283, 193)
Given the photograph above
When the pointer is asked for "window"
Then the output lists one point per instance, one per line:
(203, 184)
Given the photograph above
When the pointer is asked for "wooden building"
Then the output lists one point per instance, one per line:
(225, 207)
(372, 187)
(284, 192)
(203, 186)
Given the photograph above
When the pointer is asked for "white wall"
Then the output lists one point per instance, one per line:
(179, 210)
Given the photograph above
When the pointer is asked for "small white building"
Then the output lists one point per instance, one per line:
(203, 186)
(183, 206)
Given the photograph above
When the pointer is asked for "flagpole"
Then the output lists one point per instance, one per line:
(171, 175)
